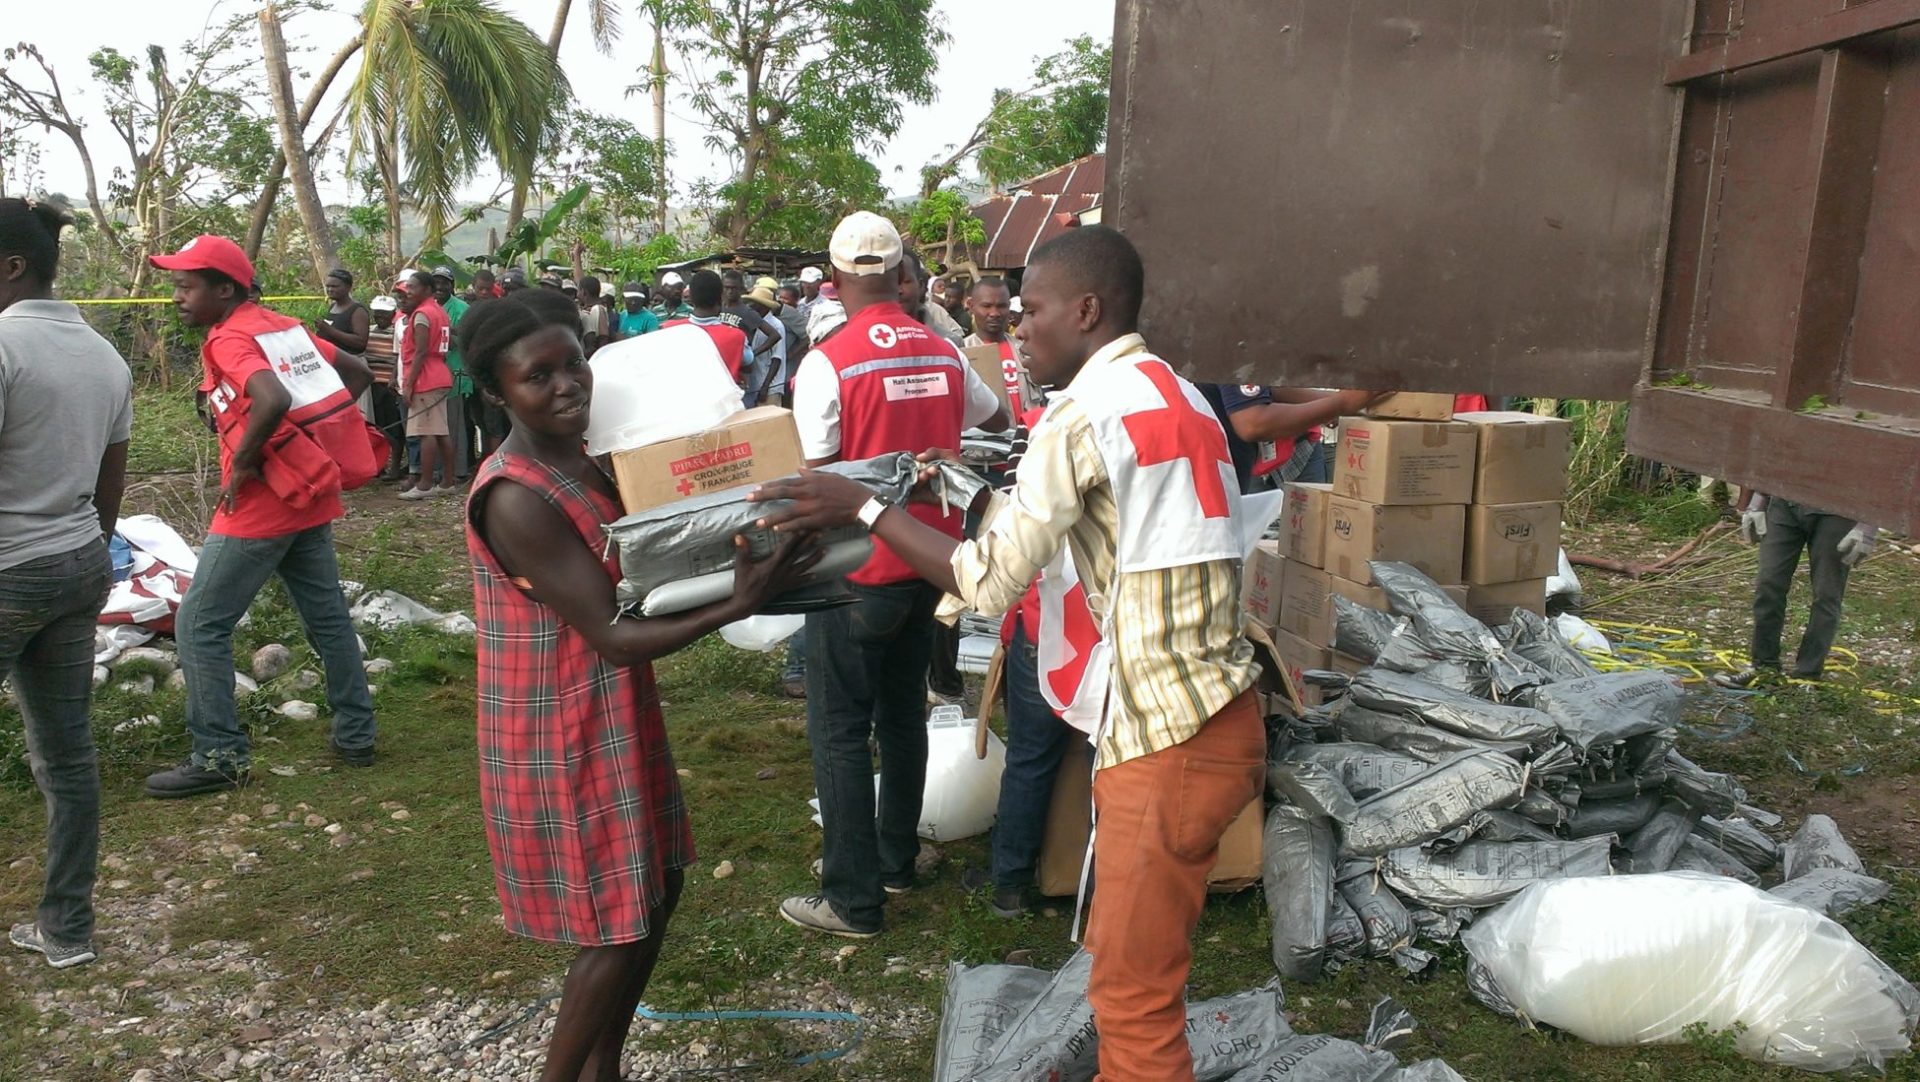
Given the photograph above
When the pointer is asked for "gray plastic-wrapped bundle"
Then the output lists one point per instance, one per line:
(1747, 843)
(1321, 1058)
(1496, 825)
(1459, 712)
(1433, 802)
(686, 548)
(1313, 788)
(1832, 891)
(1529, 635)
(1481, 874)
(1600, 710)
(1363, 769)
(978, 1005)
(1816, 845)
(1053, 1038)
(1346, 935)
(1654, 846)
(1703, 790)
(1361, 631)
(1387, 923)
(1408, 736)
(1296, 872)
(1622, 817)
(1701, 855)
(1445, 629)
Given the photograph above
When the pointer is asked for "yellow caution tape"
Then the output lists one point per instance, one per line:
(1687, 655)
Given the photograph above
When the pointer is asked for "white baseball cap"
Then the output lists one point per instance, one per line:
(811, 274)
(1014, 305)
(672, 279)
(865, 244)
(382, 302)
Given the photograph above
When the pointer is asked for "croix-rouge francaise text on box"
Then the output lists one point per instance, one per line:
(756, 445)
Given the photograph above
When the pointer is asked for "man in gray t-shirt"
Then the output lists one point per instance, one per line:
(66, 412)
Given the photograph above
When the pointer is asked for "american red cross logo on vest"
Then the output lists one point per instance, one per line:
(285, 368)
(1177, 432)
(883, 335)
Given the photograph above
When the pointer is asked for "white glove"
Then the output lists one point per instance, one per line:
(1753, 525)
(1858, 544)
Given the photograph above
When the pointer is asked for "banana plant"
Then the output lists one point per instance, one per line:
(532, 235)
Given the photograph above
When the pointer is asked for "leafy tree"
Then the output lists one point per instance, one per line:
(617, 163)
(443, 86)
(797, 90)
(1061, 117)
(942, 217)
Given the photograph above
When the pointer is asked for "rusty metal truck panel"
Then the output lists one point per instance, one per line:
(1712, 207)
(1434, 196)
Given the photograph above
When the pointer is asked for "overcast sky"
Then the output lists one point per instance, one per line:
(994, 44)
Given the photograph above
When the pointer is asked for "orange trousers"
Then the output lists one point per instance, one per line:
(1157, 832)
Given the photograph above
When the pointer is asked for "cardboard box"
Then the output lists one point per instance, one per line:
(1493, 604)
(755, 445)
(1374, 597)
(1412, 406)
(1522, 457)
(1064, 844)
(1510, 542)
(1306, 603)
(1431, 537)
(1305, 523)
(1260, 583)
(1299, 655)
(1405, 463)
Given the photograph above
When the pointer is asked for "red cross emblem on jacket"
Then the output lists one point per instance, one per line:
(1177, 431)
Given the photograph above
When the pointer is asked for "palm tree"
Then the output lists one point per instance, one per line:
(603, 16)
(445, 85)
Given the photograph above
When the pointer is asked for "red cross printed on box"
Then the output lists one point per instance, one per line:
(1177, 432)
(684, 488)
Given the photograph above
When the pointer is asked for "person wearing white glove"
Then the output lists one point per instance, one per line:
(1834, 546)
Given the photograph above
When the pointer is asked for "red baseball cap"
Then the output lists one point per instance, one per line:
(208, 252)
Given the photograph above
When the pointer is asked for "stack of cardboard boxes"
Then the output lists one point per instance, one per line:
(1513, 527)
(1472, 501)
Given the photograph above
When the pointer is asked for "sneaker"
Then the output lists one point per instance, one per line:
(1752, 679)
(352, 756)
(188, 780)
(59, 955)
(1009, 903)
(793, 687)
(890, 888)
(416, 493)
(811, 911)
(446, 490)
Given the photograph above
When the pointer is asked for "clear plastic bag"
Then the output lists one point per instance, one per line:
(1639, 959)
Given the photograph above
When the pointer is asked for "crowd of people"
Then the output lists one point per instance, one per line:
(1113, 537)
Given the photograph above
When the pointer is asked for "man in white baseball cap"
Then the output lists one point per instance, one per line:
(882, 384)
(669, 302)
(810, 279)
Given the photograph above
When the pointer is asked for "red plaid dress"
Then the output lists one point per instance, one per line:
(584, 811)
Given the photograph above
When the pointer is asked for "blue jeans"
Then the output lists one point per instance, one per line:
(796, 666)
(232, 571)
(867, 677)
(1037, 741)
(1319, 468)
(47, 611)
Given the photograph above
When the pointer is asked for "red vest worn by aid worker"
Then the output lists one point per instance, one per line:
(730, 341)
(322, 446)
(902, 388)
(434, 375)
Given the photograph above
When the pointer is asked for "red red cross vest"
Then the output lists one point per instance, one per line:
(435, 375)
(902, 388)
(730, 341)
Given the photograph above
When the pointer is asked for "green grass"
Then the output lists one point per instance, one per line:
(408, 906)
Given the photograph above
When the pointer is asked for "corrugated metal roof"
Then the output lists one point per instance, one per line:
(1038, 210)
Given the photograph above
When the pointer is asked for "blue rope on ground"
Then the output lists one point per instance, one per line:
(853, 1042)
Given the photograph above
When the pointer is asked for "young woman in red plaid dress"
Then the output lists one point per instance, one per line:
(585, 818)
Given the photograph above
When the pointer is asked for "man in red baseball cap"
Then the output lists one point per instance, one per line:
(282, 403)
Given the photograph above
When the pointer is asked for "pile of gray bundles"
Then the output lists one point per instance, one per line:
(680, 556)
(1015, 1024)
(1463, 764)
